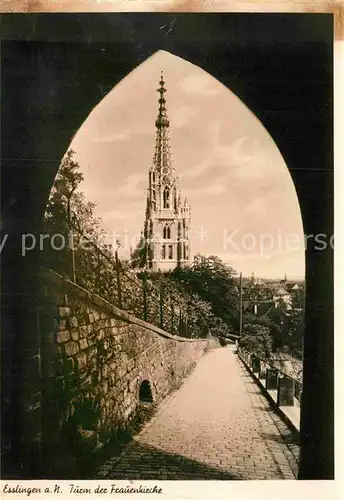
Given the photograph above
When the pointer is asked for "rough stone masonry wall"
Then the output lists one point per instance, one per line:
(102, 355)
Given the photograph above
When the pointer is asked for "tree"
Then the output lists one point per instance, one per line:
(285, 328)
(214, 282)
(256, 339)
(294, 338)
(56, 219)
(297, 297)
(82, 211)
(93, 256)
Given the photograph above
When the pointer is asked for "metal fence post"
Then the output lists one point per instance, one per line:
(285, 391)
(271, 380)
(172, 318)
(145, 315)
(98, 274)
(119, 291)
(161, 307)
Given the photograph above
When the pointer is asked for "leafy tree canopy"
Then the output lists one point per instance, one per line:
(214, 281)
(257, 339)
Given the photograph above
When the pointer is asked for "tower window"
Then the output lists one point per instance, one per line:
(167, 233)
(163, 252)
(166, 197)
(170, 251)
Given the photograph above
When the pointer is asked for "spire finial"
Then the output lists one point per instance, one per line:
(162, 120)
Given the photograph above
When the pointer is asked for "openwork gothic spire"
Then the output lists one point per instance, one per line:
(162, 156)
(165, 242)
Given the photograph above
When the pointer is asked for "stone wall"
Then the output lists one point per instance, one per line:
(97, 359)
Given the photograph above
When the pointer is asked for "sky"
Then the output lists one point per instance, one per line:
(244, 206)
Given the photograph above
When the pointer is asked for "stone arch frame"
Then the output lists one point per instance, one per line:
(300, 121)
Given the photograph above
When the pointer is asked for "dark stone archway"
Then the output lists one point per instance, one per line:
(56, 68)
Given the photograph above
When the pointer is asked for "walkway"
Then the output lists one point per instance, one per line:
(216, 426)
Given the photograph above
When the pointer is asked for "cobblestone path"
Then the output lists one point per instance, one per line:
(216, 426)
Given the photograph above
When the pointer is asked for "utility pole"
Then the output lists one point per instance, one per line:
(240, 306)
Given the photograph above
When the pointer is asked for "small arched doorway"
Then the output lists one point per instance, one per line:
(145, 392)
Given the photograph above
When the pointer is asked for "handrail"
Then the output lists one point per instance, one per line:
(282, 388)
(103, 273)
(270, 363)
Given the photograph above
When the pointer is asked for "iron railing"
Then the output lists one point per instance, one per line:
(289, 388)
(149, 297)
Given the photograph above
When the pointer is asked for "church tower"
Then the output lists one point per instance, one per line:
(168, 217)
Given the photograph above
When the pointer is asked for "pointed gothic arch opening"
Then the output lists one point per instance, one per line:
(238, 149)
(207, 85)
(167, 232)
(166, 197)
